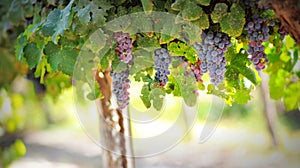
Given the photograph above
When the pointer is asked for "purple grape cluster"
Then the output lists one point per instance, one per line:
(258, 32)
(162, 60)
(211, 53)
(124, 46)
(121, 84)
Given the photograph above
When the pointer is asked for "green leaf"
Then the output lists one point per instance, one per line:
(238, 62)
(93, 11)
(191, 33)
(219, 11)
(173, 85)
(246, 72)
(54, 55)
(147, 5)
(84, 14)
(202, 23)
(289, 42)
(232, 77)
(233, 23)
(56, 83)
(94, 43)
(142, 59)
(242, 96)
(32, 54)
(157, 96)
(58, 21)
(191, 11)
(277, 83)
(69, 56)
(147, 42)
(177, 5)
(21, 42)
(292, 96)
(145, 96)
(16, 14)
(203, 2)
(181, 49)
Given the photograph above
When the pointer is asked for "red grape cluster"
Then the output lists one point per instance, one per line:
(258, 32)
(124, 46)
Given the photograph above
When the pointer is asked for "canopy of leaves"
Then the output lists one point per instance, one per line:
(57, 32)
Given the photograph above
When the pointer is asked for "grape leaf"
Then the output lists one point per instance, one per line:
(238, 62)
(157, 95)
(69, 57)
(181, 49)
(184, 86)
(94, 11)
(56, 83)
(219, 11)
(147, 5)
(147, 42)
(292, 96)
(58, 21)
(21, 42)
(202, 23)
(32, 54)
(246, 72)
(232, 77)
(277, 83)
(15, 13)
(145, 96)
(242, 96)
(54, 55)
(191, 33)
(177, 5)
(142, 59)
(84, 14)
(191, 11)
(173, 86)
(233, 22)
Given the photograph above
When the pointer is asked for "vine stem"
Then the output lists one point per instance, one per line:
(112, 140)
(269, 107)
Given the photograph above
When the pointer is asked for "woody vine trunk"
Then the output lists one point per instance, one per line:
(112, 131)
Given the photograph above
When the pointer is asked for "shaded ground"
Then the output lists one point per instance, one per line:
(71, 148)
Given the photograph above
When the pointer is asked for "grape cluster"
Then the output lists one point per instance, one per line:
(162, 59)
(258, 32)
(211, 53)
(124, 46)
(121, 84)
